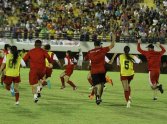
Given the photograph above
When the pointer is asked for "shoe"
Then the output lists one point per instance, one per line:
(155, 98)
(160, 88)
(62, 87)
(38, 95)
(75, 88)
(36, 100)
(98, 100)
(49, 84)
(128, 104)
(17, 103)
(109, 80)
(91, 97)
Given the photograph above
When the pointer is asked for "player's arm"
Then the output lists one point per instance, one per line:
(3, 64)
(139, 47)
(26, 57)
(57, 60)
(137, 60)
(162, 48)
(113, 40)
(23, 64)
(118, 61)
(112, 59)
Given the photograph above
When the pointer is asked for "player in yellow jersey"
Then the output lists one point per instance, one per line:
(11, 63)
(125, 61)
(49, 70)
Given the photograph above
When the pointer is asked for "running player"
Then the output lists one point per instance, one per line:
(37, 58)
(154, 61)
(70, 62)
(49, 70)
(125, 61)
(98, 71)
(11, 63)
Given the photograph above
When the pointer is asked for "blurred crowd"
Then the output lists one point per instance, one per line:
(82, 19)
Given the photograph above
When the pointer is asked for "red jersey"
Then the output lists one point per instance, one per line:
(69, 62)
(37, 58)
(97, 58)
(153, 57)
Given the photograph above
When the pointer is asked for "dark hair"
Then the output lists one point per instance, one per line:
(126, 51)
(38, 43)
(69, 53)
(15, 53)
(6, 46)
(47, 47)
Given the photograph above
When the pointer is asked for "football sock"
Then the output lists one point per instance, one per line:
(129, 90)
(126, 93)
(17, 96)
(71, 83)
(62, 81)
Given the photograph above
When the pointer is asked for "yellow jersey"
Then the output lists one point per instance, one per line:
(51, 56)
(126, 65)
(12, 70)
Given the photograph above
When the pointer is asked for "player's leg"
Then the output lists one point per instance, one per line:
(62, 80)
(90, 79)
(66, 79)
(17, 94)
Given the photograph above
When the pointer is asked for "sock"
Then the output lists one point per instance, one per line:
(71, 83)
(17, 96)
(44, 83)
(92, 93)
(62, 81)
(126, 93)
(90, 81)
(129, 90)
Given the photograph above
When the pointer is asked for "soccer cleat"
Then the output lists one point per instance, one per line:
(128, 104)
(49, 84)
(62, 87)
(155, 98)
(17, 103)
(38, 95)
(160, 88)
(98, 100)
(75, 88)
(91, 97)
(109, 80)
(36, 100)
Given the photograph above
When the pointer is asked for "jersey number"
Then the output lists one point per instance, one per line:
(10, 63)
(126, 63)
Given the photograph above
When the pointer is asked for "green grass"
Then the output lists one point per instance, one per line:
(73, 107)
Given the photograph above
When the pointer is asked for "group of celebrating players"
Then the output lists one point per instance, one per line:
(41, 63)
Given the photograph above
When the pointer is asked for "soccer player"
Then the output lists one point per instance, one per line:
(108, 80)
(70, 62)
(98, 71)
(37, 58)
(4, 52)
(125, 61)
(154, 60)
(53, 57)
(11, 63)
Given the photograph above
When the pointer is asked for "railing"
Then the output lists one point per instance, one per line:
(21, 37)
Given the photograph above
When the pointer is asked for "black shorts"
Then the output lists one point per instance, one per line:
(98, 78)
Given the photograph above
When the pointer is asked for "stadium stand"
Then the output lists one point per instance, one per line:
(84, 20)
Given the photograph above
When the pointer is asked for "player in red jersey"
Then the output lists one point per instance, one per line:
(4, 52)
(108, 64)
(37, 58)
(154, 61)
(98, 71)
(70, 62)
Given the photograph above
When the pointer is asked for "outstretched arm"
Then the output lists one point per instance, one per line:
(139, 48)
(112, 59)
(113, 40)
(162, 48)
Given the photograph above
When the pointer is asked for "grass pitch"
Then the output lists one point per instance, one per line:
(66, 106)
